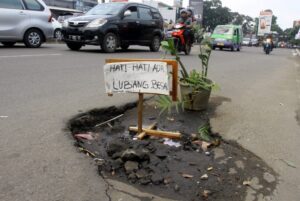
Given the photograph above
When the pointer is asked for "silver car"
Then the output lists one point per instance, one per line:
(27, 21)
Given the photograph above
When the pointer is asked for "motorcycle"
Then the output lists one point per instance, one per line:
(268, 47)
(179, 41)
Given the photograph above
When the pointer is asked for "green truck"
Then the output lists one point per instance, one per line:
(227, 36)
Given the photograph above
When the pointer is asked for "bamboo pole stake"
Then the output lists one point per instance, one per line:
(140, 113)
(143, 134)
(172, 135)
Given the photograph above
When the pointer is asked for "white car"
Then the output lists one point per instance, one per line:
(57, 29)
(27, 21)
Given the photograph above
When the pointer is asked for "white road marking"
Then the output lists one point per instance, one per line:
(30, 55)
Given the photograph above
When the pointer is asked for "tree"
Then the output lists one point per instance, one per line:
(275, 26)
(215, 14)
(291, 33)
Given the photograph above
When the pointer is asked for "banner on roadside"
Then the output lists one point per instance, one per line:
(265, 22)
(297, 37)
(197, 6)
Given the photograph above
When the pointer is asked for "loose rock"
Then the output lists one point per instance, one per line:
(176, 188)
(116, 164)
(156, 179)
(115, 146)
(131, 166)
(161, 154)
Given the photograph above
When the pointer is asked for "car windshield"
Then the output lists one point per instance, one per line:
(246, 39)
(106, 9)
(223, 30)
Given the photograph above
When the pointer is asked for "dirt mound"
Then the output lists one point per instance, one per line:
(180, 170)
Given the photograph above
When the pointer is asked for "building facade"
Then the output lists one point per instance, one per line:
(83, 5)
(296, 23)
(197, 7)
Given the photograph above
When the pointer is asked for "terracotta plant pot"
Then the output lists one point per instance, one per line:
(194, 100)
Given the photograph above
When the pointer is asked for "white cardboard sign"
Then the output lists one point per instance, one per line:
(136, 77)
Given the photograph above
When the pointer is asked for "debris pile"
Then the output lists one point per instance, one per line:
(187, 169)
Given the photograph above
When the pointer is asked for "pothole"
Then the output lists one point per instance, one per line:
(187, 169)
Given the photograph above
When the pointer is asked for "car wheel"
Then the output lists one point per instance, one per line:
(74, 46)
(109, 43)
(33, 38)
(155, 44)
(125, 46)
(232, 48)
(8, 44)
(58, 34)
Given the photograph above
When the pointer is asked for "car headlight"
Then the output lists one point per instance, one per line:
(65, 23)
(96, 23)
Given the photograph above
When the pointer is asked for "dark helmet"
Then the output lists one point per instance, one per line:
(190, 11)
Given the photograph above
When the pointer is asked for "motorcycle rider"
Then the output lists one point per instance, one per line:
(187, 21)
(191, 15)
(269, 39)
(194, 22)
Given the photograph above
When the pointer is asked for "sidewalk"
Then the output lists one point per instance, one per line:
(263, 119)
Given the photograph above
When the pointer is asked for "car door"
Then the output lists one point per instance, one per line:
(235, 37)
(129, 29)
(13, 17)
(40, 16)
(147, 24)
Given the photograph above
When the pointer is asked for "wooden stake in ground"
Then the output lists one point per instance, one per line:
(140, 113)
(143, 134)
(172, 135)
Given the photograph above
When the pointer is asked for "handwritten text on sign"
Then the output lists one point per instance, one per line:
(137, 77)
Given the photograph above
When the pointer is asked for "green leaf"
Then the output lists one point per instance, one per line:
(165, 103)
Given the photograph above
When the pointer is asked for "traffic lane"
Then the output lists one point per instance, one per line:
(39, 94)
(62, 71)
(29, 76)
(72, 81)
(260, 112)
(237, 71)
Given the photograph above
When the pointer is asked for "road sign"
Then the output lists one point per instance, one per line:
(141, 76)
(137, 77)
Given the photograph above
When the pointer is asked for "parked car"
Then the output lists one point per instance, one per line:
(57, 29)
(254, 42)
(246, 41)
(27, 21)
(62, 18)
(113, 25)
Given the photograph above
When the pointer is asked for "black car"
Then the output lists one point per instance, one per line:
(113, 25)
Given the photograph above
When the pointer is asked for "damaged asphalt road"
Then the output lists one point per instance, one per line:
(185, 172)
(38, 161)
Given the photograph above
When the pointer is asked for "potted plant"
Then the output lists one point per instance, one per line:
(195, 86)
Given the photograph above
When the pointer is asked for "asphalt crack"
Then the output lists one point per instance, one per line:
(110, 186)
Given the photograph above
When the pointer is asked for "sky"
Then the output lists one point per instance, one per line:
(286, 10)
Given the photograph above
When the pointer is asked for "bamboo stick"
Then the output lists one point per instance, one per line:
(143, 134)
(172, 135)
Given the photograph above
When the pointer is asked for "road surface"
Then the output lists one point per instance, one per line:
(42, 88)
